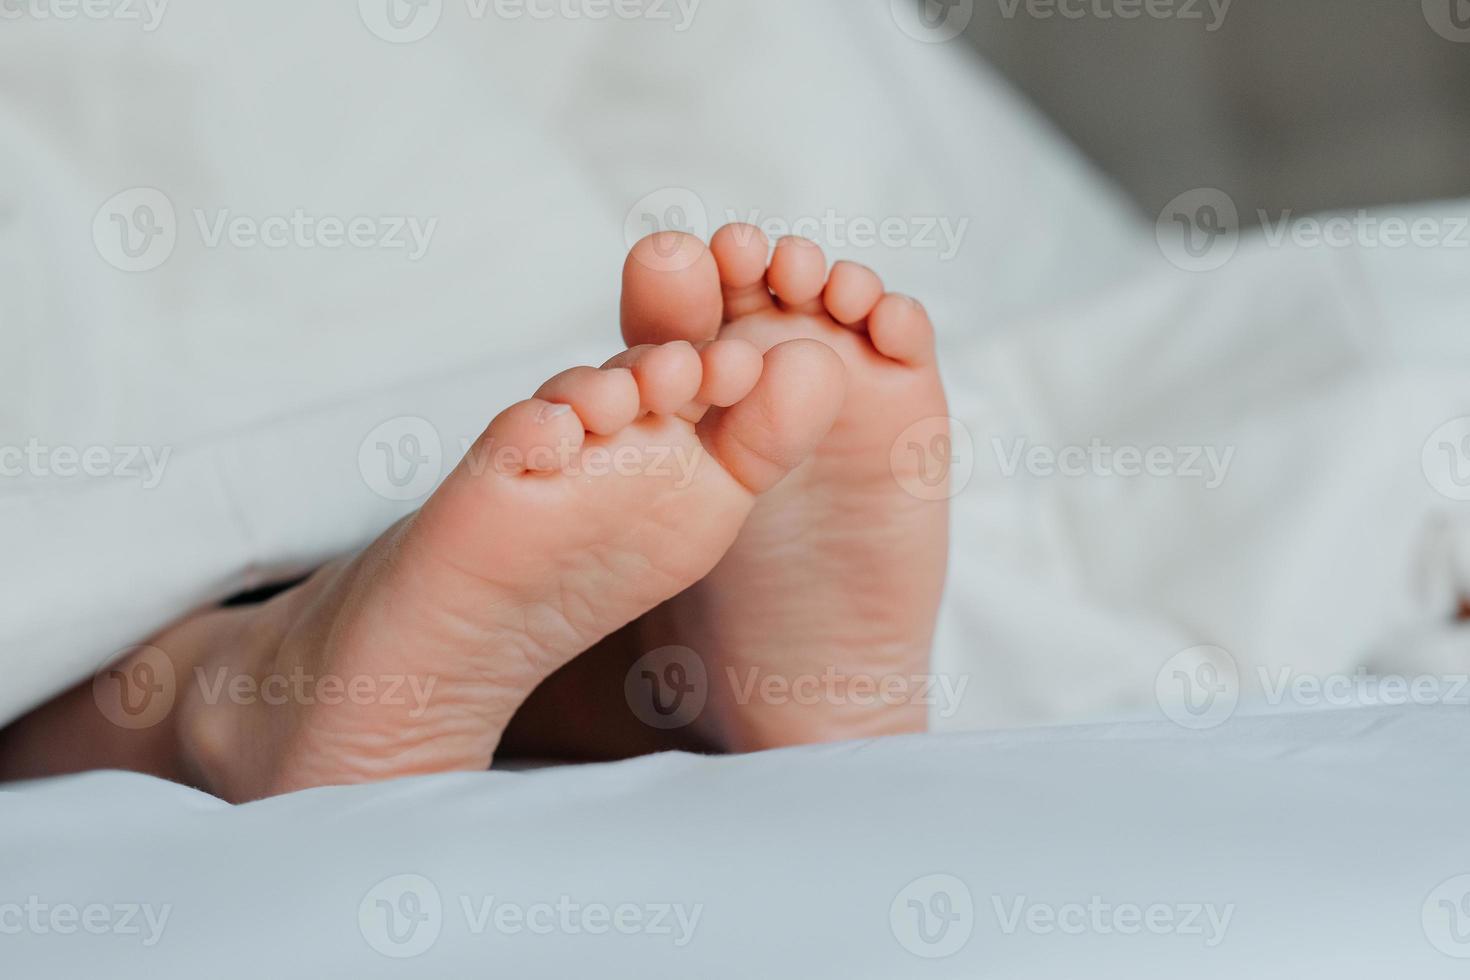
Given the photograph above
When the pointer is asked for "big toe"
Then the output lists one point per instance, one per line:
(777, 426)
(671, 291)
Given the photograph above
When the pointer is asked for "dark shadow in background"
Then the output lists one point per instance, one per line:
(1289, 104)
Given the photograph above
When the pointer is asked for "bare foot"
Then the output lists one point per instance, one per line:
(836, 579)
(577, 511)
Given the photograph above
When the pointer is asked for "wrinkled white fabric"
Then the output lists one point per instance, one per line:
(535, 147)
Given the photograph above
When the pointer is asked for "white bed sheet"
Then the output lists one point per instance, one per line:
(1327, 844)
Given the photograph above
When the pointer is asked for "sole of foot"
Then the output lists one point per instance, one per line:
(611, 491)
(834, 584)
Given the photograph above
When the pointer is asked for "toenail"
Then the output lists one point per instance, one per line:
(550, 412)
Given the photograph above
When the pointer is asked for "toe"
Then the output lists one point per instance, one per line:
(669, 376)
(605, 401)
(769, 433)
(671, 291)
(900, 329)
(852, 292)
(534, 436)
(797, 274)
(742, 252)
(731, 370)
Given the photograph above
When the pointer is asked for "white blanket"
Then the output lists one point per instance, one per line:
(533, 146)
(1310, 516)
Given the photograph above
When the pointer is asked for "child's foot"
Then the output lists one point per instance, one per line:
(840, 566)
(576, 512)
